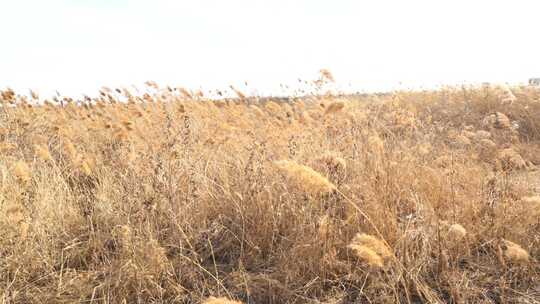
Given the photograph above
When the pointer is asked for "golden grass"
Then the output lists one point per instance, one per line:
(305, 178)
(515, 253)
(457, 232)
(170, 197)
(372, 250)
(21, 171)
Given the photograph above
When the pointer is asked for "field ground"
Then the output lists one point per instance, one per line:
(169, 197)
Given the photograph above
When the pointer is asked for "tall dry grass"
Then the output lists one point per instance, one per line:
(168, 197)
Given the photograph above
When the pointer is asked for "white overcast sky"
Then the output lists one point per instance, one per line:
(76, 46)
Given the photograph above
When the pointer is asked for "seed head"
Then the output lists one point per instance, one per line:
(21, 171)
(515, 253)
(374, 243)
(305, 178)
(511, 159)
(456, 232)
(368, 255)
(334, 107)
(42, 152)
(370, 249)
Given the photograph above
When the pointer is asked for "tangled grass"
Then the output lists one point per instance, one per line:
(170, 197)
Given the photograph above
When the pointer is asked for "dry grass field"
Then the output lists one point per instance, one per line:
(170, 197)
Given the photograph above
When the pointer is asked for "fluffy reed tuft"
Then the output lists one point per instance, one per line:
(334, 107)
(456, 232)
(510, 159)
(42, 152)
(368, 255)
(370, 249)
(515, 253)
(305, 178)
(21, 171)
(497, 120)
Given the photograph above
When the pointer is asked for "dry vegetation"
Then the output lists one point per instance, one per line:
(411, 197)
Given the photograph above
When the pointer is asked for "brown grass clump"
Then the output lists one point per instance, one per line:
(334, 107)
(42, 152)
(515, 253)
(506, 96)
(305, 178)
(457, 232)
(21, 171)
(511, 159)
(370, 249)
(368, 255)
(497, 120)
(375, 244)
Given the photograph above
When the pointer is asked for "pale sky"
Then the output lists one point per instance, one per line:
(76, 46)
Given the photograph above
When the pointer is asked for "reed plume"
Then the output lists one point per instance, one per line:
(305, 178)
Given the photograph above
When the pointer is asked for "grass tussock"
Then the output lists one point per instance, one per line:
(170, 197)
